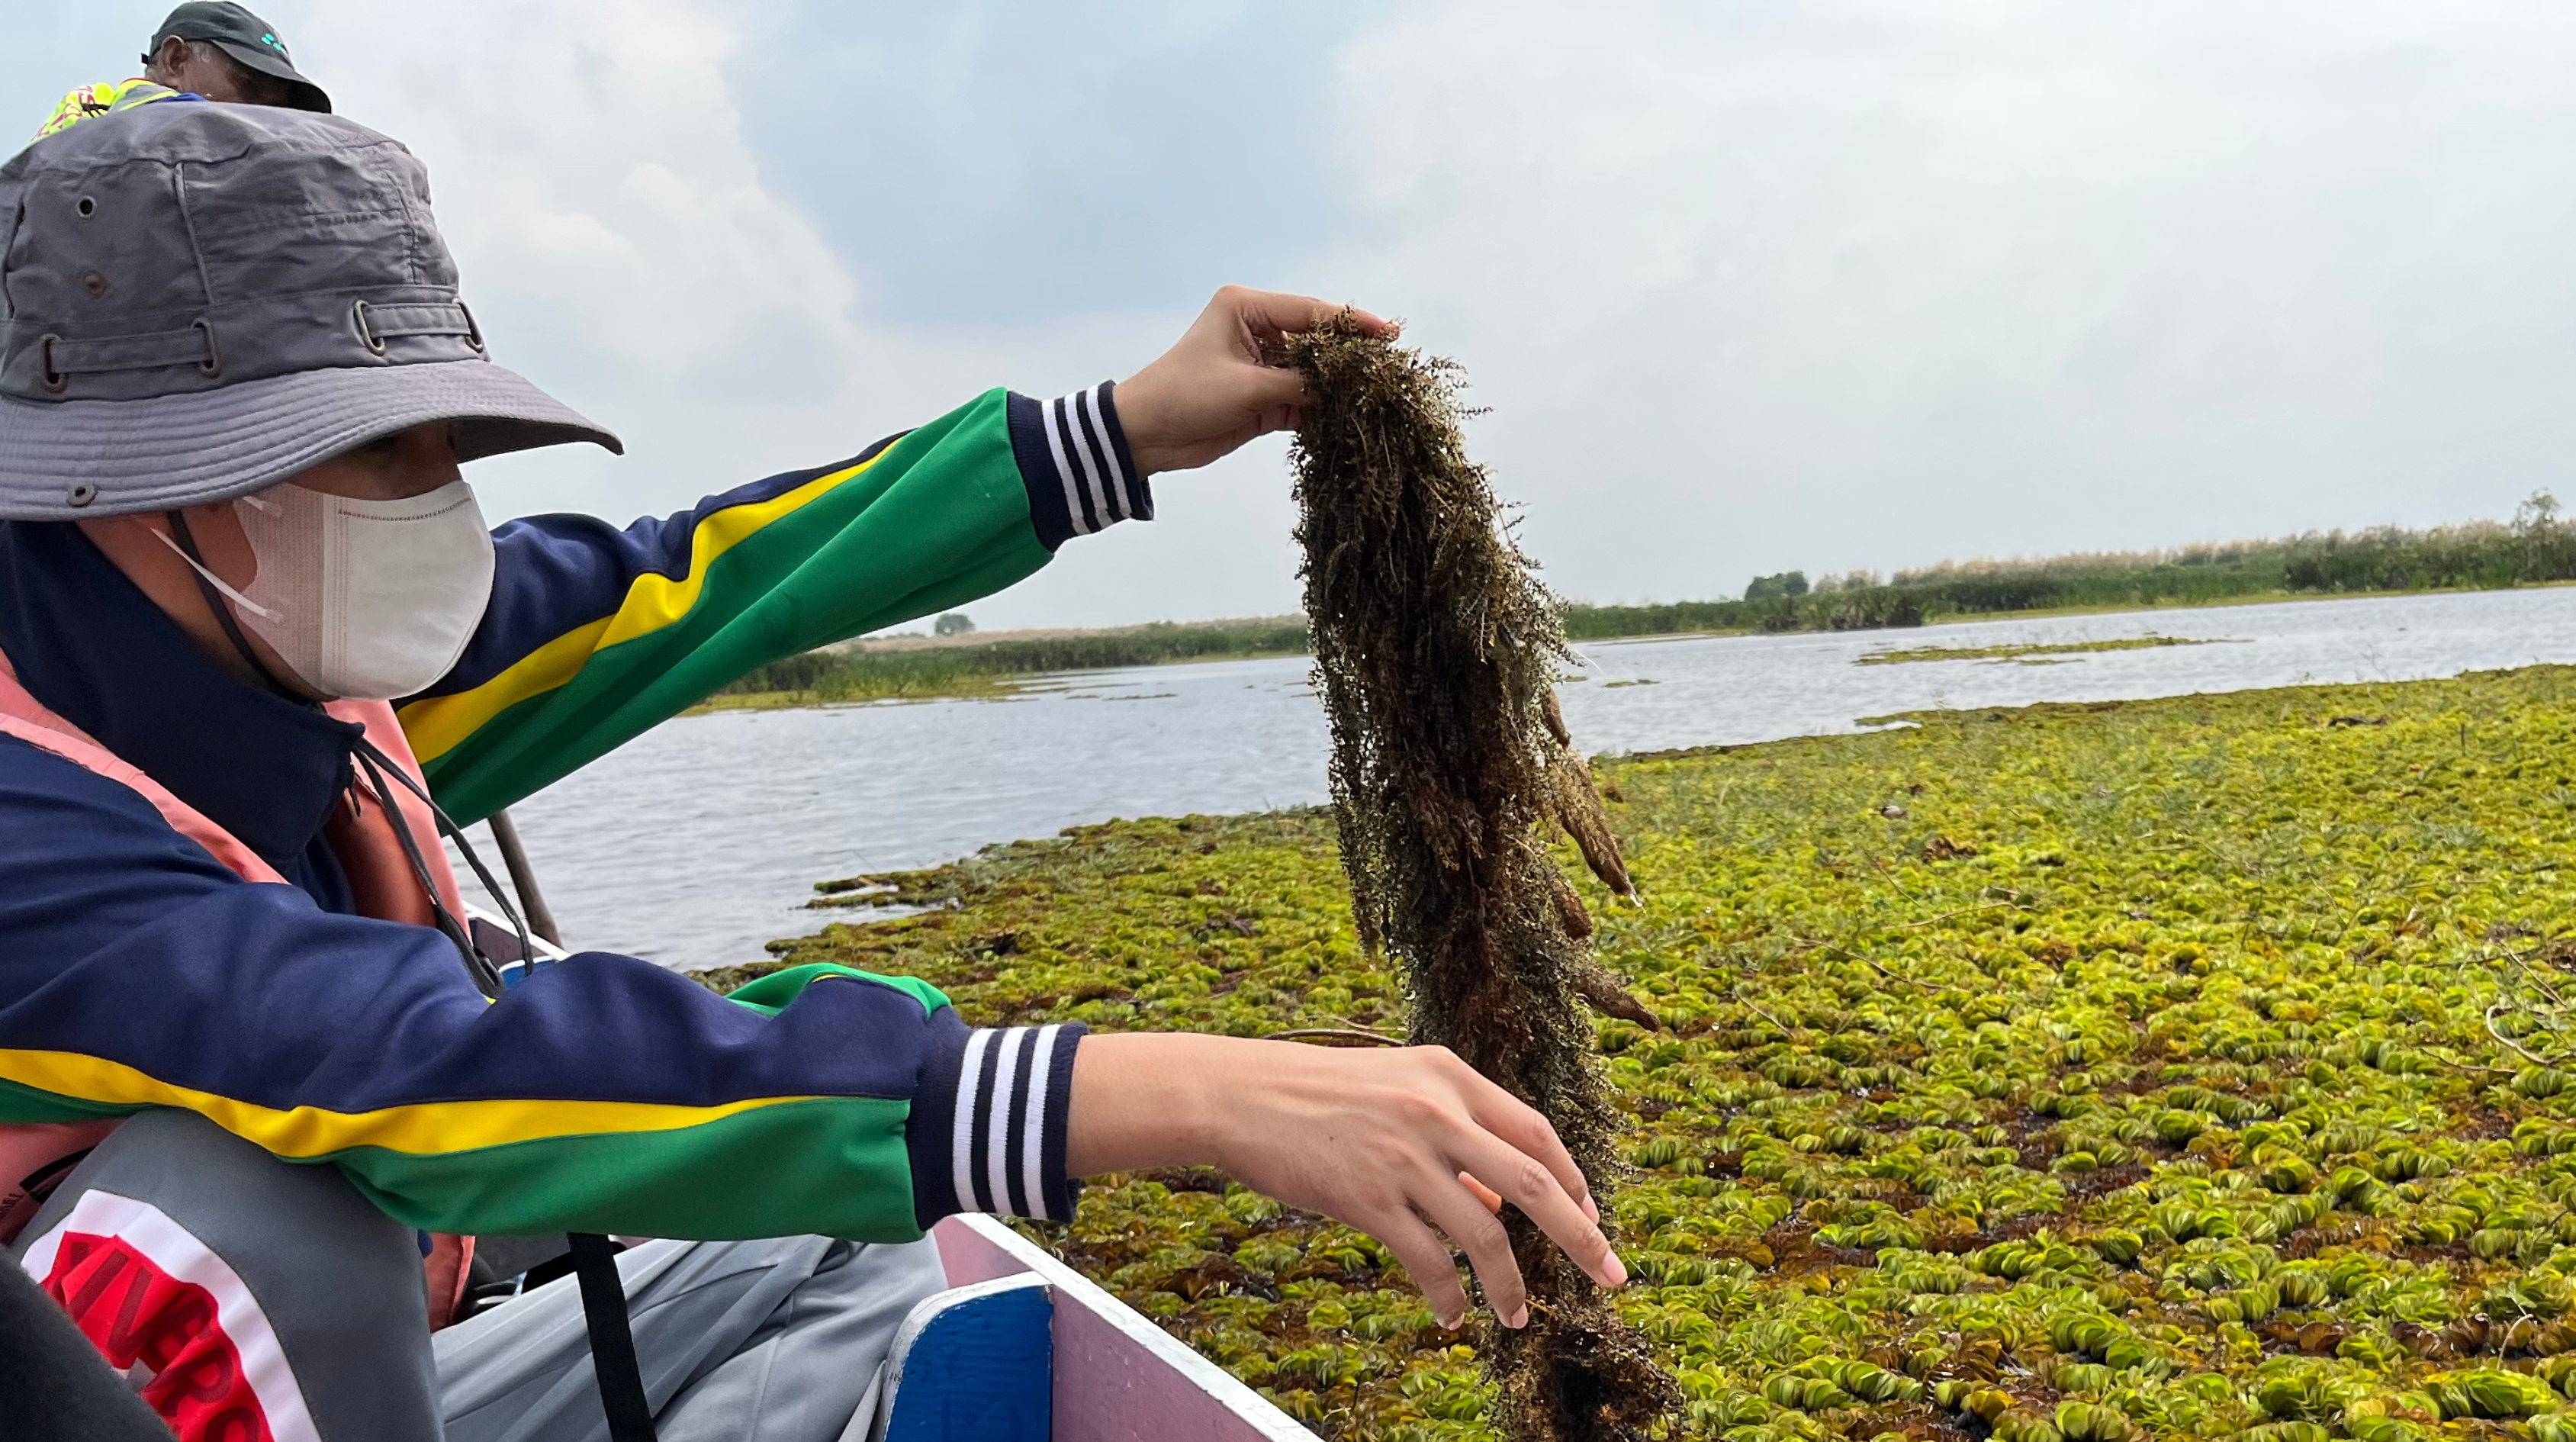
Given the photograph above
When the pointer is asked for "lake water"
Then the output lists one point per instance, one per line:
(700, 840)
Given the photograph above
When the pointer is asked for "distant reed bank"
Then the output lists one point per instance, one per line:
(2536, 547)
(870, 674)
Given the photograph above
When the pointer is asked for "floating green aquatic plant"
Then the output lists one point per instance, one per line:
(2030, 652)
(2134, 1079)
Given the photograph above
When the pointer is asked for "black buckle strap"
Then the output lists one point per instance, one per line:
(612, 1338)
(487, 977)
(594, 1257)
(448, 828)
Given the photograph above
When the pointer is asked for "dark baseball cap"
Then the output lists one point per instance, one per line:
(246, 38)
(201, 301)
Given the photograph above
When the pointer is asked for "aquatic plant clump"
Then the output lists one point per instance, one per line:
(1436, 653)
(1913, 654)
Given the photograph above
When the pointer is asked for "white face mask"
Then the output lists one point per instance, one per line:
(365, 600)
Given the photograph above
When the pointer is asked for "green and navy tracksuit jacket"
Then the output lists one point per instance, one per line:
(603, 1095)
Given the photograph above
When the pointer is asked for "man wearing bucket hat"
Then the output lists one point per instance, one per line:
(252, 1060)
(203, 51)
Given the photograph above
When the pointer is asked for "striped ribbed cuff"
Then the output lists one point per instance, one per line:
(1074, 460)
(988, 1127)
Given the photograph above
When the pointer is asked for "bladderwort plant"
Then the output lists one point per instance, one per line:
(1436, 653)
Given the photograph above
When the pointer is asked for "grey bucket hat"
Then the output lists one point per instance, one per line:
(200, 300)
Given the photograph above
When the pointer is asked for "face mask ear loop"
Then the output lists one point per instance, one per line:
(448, 828)
(487, 978)
(215, 602)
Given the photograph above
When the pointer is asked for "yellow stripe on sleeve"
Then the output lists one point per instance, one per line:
(427, 1129)
(656, 601)
(440, 724)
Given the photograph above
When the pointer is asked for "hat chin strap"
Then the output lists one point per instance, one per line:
(377, 766)
(215, 602)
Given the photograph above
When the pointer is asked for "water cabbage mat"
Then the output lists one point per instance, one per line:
(2194, 1068)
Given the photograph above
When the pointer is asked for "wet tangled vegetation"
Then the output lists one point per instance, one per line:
(2189, 1068)
(1436, 651)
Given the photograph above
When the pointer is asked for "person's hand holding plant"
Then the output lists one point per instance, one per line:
(1407, 1145)
(1211, 392)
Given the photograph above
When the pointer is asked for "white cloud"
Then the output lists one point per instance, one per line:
(625, 247)
(1747, 286)
(616, 237)
(1843, 284)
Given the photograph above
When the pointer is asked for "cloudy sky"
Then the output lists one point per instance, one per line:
(1746, 286)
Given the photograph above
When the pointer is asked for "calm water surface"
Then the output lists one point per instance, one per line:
(701, 839)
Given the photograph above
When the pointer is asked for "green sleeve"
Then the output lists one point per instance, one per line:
(596, 635)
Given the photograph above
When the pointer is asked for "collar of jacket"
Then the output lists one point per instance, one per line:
(90, 645)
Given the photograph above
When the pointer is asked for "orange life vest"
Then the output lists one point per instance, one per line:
(381, 879)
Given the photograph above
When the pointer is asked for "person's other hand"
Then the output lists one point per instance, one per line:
(1393, 1142)
(1210, 392)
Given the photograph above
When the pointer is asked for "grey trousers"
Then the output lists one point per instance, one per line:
(769, 1341)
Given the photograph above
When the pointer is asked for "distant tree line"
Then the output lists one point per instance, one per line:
(2536, 546)
(1777, 588)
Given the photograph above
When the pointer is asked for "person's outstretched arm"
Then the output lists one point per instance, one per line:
(608, 1094)
(1395, 1143)
(596, 634)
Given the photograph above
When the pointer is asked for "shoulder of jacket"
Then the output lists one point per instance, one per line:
(88, 102)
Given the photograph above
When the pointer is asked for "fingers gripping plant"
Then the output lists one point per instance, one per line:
(1436, 651)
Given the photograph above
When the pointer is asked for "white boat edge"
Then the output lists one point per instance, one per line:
(1118, 1377)
(489, 924)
